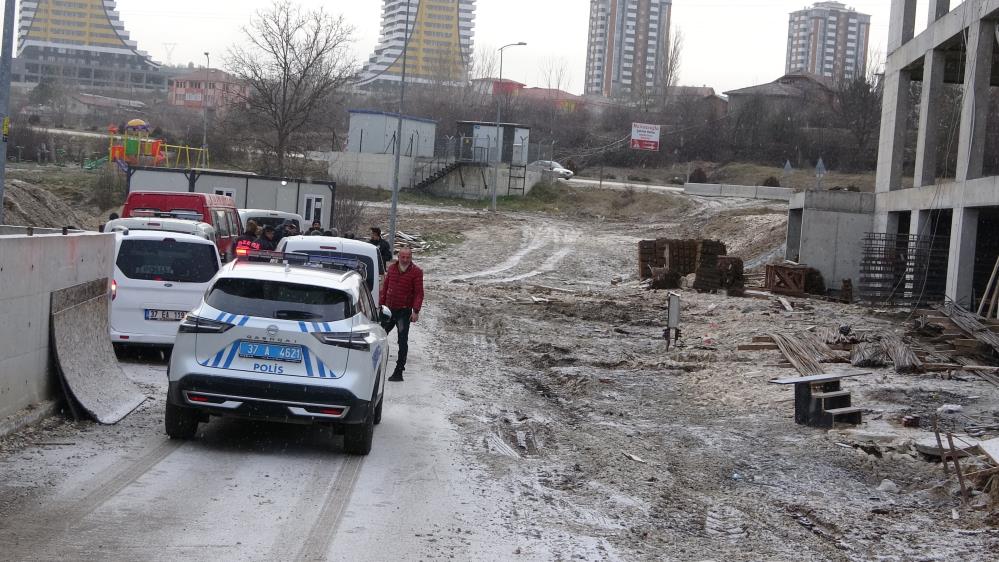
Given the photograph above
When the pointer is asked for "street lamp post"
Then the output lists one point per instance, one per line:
(394, 213)
(499, 135)
(6, 56)
(204, 104)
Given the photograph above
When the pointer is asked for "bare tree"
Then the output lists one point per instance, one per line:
(293, 62)
(857, 108)
(669, 70)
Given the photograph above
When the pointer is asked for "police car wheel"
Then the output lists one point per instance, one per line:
(357, 437)
(378, 411)
(181, 423)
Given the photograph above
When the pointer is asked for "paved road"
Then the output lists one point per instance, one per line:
(616, 185)
(252, 491)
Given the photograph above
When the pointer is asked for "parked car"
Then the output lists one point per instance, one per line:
(560, 171)
(264, 217)
(159, 224)
(158, 278)
(295, 339)
(216, 210)
(328, 246)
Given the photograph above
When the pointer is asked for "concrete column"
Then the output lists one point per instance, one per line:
(961, 260)
(919, 223)
(894, 114)
(901, 23)
(929, 118)
(937, 10)
(975, 110)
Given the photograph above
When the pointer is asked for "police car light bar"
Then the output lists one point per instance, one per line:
(302, 259)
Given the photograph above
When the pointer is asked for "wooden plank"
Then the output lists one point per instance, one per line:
(758, 347)
(844, 411)
(828, 377)
(762, 339)
(835, 394)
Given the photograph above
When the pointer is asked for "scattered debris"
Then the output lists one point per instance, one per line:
(632, 457)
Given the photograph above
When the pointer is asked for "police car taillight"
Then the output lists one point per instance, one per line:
(193, 324)
(349, 340)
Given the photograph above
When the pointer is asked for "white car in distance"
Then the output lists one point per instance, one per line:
(331, 246)
(158, 278)
(282, 337)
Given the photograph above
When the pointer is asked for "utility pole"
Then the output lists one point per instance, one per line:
(6, 60)
(394, 213)
(204, 105)
(499, 134)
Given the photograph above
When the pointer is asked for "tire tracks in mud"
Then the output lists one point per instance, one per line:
(557, 243)
(47, 524)
(336, 498)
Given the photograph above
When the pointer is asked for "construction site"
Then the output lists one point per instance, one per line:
(712, 372)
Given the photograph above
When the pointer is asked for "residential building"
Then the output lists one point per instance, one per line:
(81, 43)
(438, 45)
(828, 40)
(211, 86)
(628, 48)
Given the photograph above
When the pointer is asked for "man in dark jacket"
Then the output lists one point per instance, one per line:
(384, 250)
(402, 293)
(248, 241)
(267, 241)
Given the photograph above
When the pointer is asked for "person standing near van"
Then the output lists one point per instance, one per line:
(402, 293)
(266, 240)
(384, 250)
(248, 241)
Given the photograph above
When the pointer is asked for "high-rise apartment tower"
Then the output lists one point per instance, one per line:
(628, 47)
(438, 48)
(81, 43)
(828, 40)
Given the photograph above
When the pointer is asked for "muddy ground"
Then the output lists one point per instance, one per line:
(544, 419)
(595, 430)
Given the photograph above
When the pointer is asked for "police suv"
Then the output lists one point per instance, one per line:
(283, 337)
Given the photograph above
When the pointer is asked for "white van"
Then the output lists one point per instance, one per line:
(265, 217)
(366, 252)
(158, 278)
(181, 226)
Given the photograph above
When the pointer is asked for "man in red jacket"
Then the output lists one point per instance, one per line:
(402, 292)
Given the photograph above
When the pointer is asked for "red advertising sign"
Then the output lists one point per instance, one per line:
(645, 137)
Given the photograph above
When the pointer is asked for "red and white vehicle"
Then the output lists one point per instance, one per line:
(158, 278)
(216, 210)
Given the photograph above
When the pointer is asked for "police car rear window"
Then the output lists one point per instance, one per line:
(167, 260)
(281, 300)
(276, 222)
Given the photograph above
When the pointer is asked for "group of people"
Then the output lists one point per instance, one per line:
(267, 237)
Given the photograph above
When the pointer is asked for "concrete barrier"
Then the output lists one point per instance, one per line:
(31, 268)
(740, 191)
(84, 356)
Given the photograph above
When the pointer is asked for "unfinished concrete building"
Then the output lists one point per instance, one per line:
(938, 223)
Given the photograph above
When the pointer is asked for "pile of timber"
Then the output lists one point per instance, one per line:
(971, 324)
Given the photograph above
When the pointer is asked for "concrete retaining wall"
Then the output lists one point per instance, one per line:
(743, 191)
(476, 182)
(366, 170)
(31, 267)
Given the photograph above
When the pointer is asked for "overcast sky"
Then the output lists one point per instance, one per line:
(728, 43)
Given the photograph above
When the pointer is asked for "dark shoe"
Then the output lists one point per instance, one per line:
(396, 377)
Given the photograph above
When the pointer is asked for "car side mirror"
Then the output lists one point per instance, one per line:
(386, 313)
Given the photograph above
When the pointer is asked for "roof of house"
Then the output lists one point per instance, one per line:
(211, 74)
(548, 94)
(94, 100)
(789, 85)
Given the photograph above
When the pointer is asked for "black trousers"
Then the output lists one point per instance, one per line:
(400, 321)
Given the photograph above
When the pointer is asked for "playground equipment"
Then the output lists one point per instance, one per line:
(133, 146)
